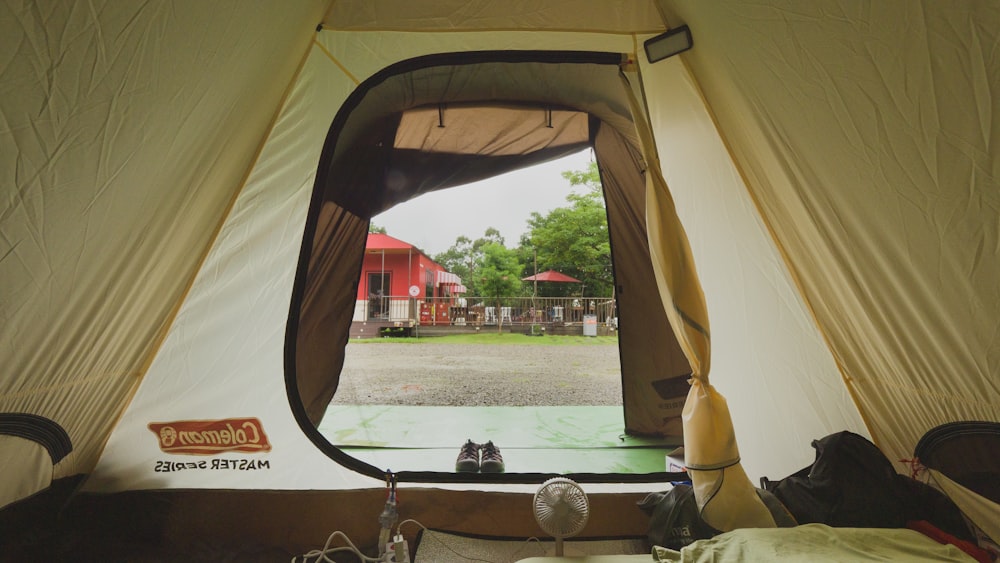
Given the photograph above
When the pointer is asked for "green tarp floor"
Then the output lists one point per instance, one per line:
(559, 439)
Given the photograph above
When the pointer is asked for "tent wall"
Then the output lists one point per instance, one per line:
(127, 131)
(30, 461)
(223, 357)
(868, 134)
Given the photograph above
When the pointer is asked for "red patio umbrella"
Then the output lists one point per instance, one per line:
(551, 276)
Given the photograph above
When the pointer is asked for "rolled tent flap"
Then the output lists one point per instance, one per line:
(726, 497)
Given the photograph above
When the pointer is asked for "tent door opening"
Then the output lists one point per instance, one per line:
(500, 111)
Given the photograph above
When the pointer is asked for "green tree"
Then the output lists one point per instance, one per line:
(373, 228)
(465, 257)
(574, 239)
(458, 259)
(498, 275)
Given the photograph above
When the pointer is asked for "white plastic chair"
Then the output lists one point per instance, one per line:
(505, 314)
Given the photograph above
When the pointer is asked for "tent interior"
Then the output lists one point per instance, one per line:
(803, 206)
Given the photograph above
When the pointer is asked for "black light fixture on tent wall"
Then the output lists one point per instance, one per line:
(668, 44)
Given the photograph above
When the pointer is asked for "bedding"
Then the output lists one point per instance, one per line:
(812, 543)
(815, 543)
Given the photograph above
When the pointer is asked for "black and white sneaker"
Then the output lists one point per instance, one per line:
(468, 458)
(492, 461)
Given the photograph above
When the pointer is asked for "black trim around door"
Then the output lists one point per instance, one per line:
(291, 333)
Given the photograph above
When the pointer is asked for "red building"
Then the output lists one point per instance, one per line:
(398, 281)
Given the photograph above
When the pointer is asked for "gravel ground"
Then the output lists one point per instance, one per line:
(397, 373)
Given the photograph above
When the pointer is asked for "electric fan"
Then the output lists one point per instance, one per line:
(561, 509)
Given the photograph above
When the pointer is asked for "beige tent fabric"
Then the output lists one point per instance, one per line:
(622, 16)
(27, 459)
(224, 355)
(983, 512)
(868, 135)
(421, 129)
(127, 131)
(726, 497)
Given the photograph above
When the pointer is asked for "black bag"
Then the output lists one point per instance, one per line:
(852, 484)
(675, 520)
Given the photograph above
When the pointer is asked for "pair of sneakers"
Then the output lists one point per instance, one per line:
(479, 457)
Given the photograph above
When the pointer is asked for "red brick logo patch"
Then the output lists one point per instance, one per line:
(208, 437)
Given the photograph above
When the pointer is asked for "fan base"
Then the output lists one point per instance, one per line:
(567, 551)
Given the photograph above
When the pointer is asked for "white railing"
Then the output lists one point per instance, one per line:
(477, 311)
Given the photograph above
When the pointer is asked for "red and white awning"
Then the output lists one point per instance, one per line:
(448, 278)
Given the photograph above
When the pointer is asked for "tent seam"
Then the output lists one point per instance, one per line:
(69, 384)
(337, 62)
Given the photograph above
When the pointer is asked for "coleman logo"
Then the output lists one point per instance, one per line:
(207, 437)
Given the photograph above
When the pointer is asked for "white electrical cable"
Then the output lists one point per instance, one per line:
(321, 555)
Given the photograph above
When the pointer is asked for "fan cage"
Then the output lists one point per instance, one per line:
(561, 507)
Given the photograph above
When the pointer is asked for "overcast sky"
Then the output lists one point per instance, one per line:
(433, 221)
